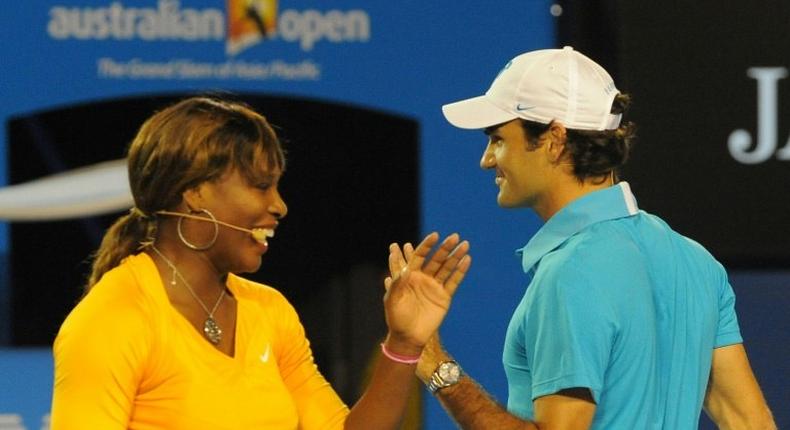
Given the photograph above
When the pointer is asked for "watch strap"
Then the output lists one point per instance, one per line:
(435, 383)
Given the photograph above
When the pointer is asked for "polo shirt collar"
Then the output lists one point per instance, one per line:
(607, 204)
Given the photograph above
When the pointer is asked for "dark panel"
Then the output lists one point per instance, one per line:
(685, 65)
(592, 28)
(687, 70)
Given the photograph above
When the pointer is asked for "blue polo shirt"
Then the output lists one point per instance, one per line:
(623, 305)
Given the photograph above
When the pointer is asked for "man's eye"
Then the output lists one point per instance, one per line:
(264, 186)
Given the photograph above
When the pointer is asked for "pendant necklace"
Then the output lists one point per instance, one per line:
(211, 329)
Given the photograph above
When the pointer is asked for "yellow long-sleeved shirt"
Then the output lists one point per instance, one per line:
(126, 359)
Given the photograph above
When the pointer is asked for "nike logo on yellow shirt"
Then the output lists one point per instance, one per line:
(265, 356)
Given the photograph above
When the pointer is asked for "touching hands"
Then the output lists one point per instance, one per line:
(419, 289)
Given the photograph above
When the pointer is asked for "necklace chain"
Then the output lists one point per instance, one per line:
(210, 328)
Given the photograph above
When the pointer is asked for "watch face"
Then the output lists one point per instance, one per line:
(449, 372)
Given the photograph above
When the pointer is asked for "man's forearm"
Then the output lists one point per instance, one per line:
(733, 399)
(472, 408)
(724, 418)
(467, 402)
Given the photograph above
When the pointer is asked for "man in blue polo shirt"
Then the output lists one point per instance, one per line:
(625, 323)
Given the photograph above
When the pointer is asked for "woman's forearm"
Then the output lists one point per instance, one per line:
(384, 402)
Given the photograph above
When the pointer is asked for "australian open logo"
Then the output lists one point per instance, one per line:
(253, 21)
(249, 23)
(244, 24)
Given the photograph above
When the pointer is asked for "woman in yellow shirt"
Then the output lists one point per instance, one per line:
(169, 337)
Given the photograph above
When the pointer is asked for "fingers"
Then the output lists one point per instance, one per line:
(438, 259)
(452, 261)
(419, 254)
(408, 249)
(396, 261)
(458, 275)
(448, 265)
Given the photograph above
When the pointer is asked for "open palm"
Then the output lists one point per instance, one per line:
(420, 289)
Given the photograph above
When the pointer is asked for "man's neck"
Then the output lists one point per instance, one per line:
(566, 190)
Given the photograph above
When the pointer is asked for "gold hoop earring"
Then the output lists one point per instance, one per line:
(193, 246)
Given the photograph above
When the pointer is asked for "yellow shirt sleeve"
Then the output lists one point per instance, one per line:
(98, 354)
(318, 404)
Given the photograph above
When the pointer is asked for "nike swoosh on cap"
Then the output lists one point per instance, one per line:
(520, 107)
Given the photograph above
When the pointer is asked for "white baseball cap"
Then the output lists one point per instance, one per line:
(543, 86)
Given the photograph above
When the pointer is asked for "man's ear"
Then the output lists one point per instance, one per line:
(557, 136)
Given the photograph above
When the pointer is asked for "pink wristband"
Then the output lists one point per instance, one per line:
(403, 359)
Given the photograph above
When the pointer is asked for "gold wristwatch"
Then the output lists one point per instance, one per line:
(447, 374)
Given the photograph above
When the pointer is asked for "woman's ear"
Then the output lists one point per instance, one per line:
(193, 198)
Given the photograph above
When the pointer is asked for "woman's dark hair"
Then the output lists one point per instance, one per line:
(191, 142)
(594, 154)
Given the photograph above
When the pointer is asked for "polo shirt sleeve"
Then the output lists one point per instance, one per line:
(317, 403)
(570, 333)
(728, 332)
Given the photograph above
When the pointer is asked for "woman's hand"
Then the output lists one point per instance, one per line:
(419, 290)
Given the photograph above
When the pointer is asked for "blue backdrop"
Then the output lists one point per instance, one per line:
(407, 57)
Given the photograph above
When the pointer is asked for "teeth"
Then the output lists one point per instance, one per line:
(260, 234)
